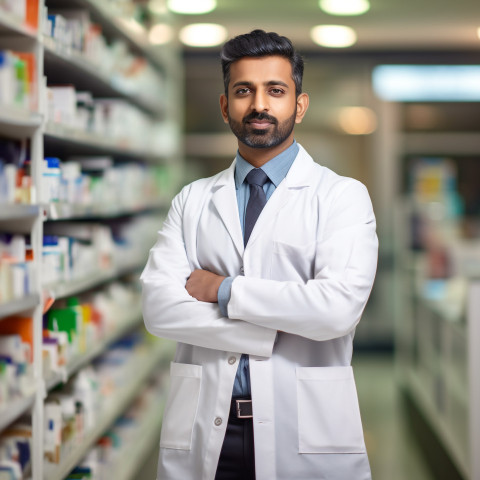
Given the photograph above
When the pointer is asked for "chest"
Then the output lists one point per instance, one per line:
(282, 245)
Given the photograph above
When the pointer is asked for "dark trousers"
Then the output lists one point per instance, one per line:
(237, 460)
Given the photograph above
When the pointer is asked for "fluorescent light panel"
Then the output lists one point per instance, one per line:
(439, 83)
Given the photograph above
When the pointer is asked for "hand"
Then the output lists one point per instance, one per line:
(203, 285)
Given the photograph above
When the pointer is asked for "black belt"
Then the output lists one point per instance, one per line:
(241, 408)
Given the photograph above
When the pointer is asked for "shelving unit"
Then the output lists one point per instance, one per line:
(141, 369)
(437, 319)
(58, 64)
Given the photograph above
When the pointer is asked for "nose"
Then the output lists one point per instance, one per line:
(260, 102)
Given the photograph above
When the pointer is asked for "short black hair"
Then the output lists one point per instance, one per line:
(259, 43)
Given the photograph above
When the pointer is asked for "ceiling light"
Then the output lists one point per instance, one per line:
(478, 32)
(203, 34)
(357, 120)
(160, 34)
(192, 7)
(344, 7)
(333, 36)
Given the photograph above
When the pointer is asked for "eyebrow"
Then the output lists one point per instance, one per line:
(245, 83)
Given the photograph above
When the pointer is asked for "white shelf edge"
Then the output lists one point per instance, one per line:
(148, 433)
(69, 211)
(148, 362)
(10, 22)
(15, 409)
(76, 59)
(61, 132)
(16, 211)
(427, 408)
(19, 117)
(19, 305)
(94, 278)
(83, 359)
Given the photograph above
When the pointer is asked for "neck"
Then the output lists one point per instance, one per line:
(258, 157)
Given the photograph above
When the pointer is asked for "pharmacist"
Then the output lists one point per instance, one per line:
(261, 274)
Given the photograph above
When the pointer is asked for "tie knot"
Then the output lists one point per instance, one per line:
(256, 177)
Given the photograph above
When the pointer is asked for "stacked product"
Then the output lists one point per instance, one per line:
(77, 325)
(17, 273)
(17, 80)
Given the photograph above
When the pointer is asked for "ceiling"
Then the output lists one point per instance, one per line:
(388, 25)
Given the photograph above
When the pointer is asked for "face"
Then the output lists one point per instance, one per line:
(262, 107)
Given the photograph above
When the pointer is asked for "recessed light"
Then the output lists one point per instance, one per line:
(333, 36)
(203, 34)
(357, 120)
(192, 7)
(344, 7)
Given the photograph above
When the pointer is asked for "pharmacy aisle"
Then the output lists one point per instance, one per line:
(88, 164)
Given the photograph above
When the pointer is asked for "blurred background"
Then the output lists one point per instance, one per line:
(121, 92)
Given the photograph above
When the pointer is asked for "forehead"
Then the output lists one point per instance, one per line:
(261, 70)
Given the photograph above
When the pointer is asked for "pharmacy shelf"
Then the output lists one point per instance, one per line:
(63, 211)
(15, 409)
(17, 212)
(441, 143)
(113, 25)
(424, 401)
(14, 307)
(84, 359)
(61, 136)
(18, 123)
(144, 366)
(93, 279)
(134, 453)
(11, 24)
(18, 218)
(62, 64)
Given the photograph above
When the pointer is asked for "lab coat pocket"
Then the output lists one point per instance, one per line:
(181, 406)
(328, 412)
(292, 262)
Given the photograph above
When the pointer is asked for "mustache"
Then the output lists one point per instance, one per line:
(259, 116)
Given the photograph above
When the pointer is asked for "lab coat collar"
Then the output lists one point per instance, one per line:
(225, 200)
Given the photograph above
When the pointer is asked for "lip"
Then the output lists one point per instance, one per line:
(259, 124)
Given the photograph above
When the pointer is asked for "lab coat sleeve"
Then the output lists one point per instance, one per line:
(170, 312)
(331, 303)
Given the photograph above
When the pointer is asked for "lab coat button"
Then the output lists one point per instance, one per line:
(218, 421)
(232, 360)
(242, 271)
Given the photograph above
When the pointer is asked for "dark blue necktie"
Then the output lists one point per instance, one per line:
(256, 178)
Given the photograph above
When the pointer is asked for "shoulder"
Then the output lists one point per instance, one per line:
(326, 183)
(193, 192)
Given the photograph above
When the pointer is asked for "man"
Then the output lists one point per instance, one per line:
(261, 273)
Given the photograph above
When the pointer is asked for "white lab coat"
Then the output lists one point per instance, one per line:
(306, 273)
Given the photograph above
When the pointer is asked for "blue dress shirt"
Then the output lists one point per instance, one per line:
(276, 169)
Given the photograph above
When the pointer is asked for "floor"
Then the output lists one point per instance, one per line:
(392, 449)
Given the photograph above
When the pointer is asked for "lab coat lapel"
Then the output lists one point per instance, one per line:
(224, 198)
(297, 177)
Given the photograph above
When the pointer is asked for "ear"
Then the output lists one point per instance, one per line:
(224, 107)
(302, 105)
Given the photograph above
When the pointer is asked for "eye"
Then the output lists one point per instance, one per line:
(277, 92)
(242, 91)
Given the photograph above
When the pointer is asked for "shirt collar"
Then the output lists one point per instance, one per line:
(276, 168)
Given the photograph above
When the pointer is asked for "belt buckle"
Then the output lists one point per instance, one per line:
(239, 411)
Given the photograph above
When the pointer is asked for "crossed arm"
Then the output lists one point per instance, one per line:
(203, 285)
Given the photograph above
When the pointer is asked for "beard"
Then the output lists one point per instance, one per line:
(269, 137)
